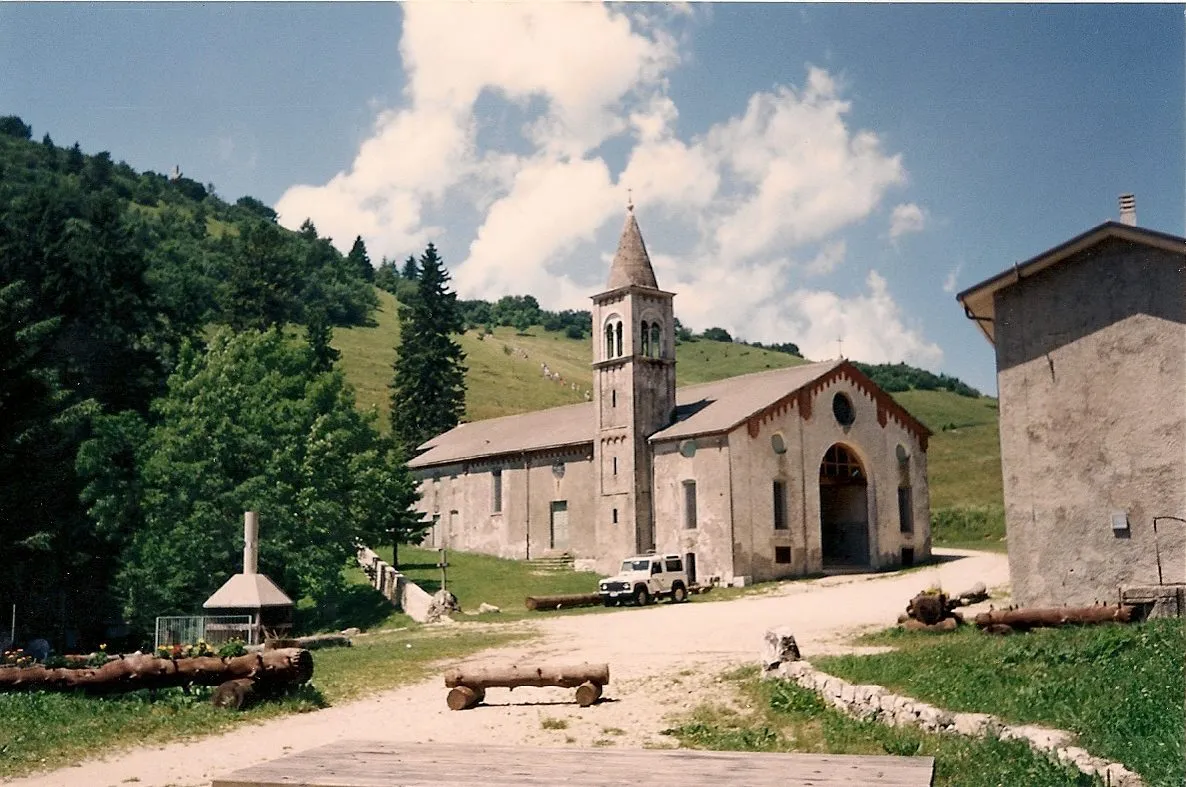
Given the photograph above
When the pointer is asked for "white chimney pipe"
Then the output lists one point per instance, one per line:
(1128, 209)
(250, 542)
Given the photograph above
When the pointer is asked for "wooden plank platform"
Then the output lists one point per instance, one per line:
(383, 764)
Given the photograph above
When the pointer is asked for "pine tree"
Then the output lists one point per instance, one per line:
(428, 386)
(359, 260)
(409, 271)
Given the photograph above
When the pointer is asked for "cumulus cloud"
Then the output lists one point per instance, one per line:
(749, 208)
(906, 218)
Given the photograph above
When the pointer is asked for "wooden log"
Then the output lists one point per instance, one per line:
(546, 603)
(1036, 617)
(588, 693)
(462, 697)
(512, 676)
(272, 670)
(235, 694)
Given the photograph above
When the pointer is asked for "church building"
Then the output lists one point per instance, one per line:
(765, 476)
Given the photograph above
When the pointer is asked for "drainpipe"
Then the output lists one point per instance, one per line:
(803, 489)
(527, 502)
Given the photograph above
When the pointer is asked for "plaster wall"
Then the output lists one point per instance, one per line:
(756, 465)
(1091, 358)
(712, 538)
(462, 498)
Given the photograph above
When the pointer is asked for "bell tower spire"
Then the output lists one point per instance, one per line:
(633, 391)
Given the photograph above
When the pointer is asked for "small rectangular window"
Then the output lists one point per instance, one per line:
(613, 398)
(780, 505)
(690, 520)
(496, 492)
(905, 510)
(782, 555)
(615, 465)
(615, 516)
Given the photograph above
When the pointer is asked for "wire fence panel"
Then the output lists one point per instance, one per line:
(214, 630)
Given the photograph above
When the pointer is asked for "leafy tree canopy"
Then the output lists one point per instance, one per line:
(249, 424)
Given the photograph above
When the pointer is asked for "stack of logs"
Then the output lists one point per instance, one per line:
(240, 679)
(468, 685)
(934, 610)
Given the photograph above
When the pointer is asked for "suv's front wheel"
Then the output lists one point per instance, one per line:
(642, 596)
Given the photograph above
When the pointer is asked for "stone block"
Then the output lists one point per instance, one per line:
(779, 646)
(1043, 738)
(976, 725)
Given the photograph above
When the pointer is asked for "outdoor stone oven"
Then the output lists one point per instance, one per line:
(251, 593)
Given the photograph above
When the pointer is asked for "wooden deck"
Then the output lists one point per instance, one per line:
(381, 764)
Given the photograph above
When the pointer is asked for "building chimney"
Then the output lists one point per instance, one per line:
(250, 542)
(1128, 209)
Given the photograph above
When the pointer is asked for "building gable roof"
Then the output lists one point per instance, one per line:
(706, 408)
(556, 427)
(978, 300)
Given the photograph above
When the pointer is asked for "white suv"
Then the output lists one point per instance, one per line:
(645, 578)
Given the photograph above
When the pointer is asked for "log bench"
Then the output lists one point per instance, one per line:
(468, 684)
(384, 764)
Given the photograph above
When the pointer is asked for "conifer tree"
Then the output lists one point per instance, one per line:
(359, 261)
(428, 385)
(409, 271)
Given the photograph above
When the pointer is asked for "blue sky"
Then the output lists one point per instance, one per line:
(801, 172)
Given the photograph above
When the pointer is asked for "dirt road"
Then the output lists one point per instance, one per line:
(664, 660)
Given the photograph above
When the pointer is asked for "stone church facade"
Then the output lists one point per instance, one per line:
(770, 475)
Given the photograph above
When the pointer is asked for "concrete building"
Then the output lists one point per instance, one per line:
(769, 475)
(1090, 341)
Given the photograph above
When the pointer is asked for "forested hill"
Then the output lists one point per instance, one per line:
(107, 276)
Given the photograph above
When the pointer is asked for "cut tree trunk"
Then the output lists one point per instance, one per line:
(566, 676)
(588, 693)
(270, 670)
(545, 603)
(1025, 618)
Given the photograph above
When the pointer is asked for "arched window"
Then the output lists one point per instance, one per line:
(646, 339)
(840, 463)
(618, 328)
(609, 340)
(656, 341)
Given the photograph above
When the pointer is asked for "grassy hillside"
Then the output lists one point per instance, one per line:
(505, 377)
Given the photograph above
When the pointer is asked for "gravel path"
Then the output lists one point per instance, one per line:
(664, 660)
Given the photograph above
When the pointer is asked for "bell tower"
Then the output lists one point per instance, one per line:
(633, 393)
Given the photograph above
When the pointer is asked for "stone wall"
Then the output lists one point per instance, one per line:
(875, 703)
(406, 595)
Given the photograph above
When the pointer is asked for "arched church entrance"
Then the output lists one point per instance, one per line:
(843, 509)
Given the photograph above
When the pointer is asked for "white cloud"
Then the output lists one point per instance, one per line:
(950, 283)
(906, 218)
(828, 258)
(752, 195)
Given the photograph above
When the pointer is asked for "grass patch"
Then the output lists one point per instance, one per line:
(1119, 688)
(476, 578)
(49, 730)
(550, 723)
(969, 527)
(786, 718)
